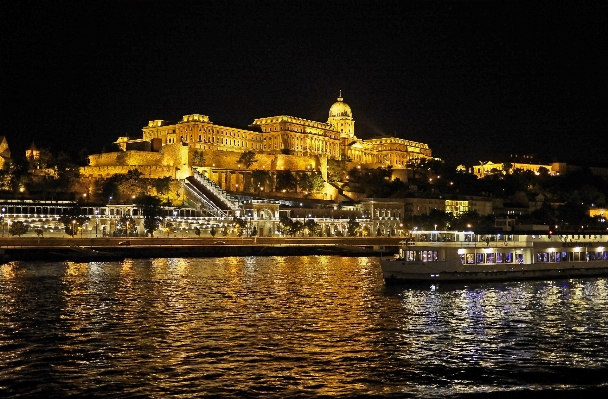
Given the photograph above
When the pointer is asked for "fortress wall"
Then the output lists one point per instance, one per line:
(229, 160)
(152, 172)
(126, 158)
(175, 155)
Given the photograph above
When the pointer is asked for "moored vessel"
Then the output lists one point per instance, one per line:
(467, 256)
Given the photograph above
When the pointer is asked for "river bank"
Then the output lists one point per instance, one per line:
(102, 249)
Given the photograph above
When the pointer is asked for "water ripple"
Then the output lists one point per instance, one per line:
(297, 327)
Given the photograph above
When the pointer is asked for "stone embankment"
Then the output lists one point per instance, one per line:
(90, 249)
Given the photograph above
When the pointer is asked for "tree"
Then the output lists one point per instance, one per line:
(247, 158)
(260, 178)
(168, 227)
(162, 185)
(286, 181)
(125, 227)
(18, 228)
(313, 228)
(198, 158)
(73, 219)
(290, 227)
(311, 182)
(239, 224)
(83, 156)
(67, 172)
(353, 228)
(151, 211)
(336, 170)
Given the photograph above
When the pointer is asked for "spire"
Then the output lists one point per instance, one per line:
(340, 97)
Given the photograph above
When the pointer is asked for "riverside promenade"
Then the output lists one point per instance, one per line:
(105, 248)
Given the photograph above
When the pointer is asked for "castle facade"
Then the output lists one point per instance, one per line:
(334, 139)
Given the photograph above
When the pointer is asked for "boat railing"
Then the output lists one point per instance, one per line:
(461, 244)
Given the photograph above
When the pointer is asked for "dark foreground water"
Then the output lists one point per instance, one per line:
(281, 327)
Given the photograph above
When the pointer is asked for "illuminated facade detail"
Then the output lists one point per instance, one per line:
(341, 118)
(32, 153)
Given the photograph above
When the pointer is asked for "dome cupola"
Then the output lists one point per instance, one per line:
(341, 118)
(340, 109)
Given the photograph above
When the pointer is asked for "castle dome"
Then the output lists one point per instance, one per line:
(340, 109)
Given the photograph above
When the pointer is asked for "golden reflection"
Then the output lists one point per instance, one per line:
(74, 269)
(126, 267)
(7, 270)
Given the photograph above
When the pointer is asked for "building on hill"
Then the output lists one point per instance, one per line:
(5, 152)
(554, 169)
(32, 153)
(283, 134)
(280, 143)
(489, 168)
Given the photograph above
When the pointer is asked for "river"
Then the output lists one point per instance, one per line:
(302, 327)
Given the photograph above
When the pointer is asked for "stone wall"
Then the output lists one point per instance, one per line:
(229, 160)
(127, 158)
(152, 172)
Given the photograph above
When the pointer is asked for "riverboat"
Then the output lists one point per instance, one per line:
(467, 256)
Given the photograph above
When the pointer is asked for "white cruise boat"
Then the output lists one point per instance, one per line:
(467, 256)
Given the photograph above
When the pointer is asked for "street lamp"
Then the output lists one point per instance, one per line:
(73, 227)
(175, 220)
(96, 220)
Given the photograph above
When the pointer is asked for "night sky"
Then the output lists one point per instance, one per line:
(476, 80)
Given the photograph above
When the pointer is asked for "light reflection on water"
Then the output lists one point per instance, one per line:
(289, 327)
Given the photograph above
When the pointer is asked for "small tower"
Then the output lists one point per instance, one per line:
(32, 153)
(341, 117)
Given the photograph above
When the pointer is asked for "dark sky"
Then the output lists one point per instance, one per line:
(473, 79)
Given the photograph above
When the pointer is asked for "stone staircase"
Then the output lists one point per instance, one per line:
(209, 196)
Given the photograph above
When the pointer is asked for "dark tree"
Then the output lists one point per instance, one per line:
(286, 181)
(247, 158)
(73, 219)
(151, 211)
(18, 228)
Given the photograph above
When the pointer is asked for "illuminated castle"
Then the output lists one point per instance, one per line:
(280, 142)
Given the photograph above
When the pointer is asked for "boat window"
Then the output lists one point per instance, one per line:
(509, 257)
(558, 256)
(499, 257)
(490, 258)
(480, 258)
(462, 259)
(519, 258)
(470, 259)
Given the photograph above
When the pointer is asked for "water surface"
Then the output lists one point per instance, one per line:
(291, 327)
